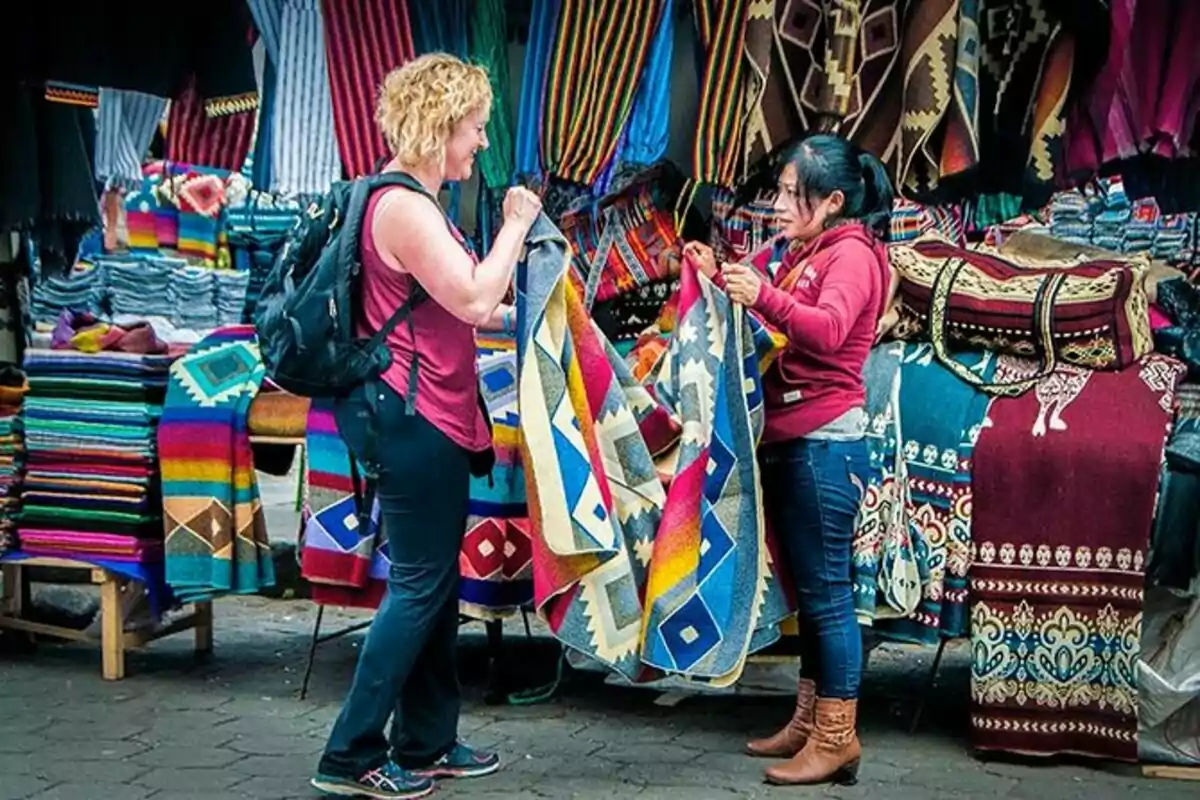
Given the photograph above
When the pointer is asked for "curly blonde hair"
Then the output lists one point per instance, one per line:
(422, 101)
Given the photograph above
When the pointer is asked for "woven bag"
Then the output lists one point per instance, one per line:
(1091, 314)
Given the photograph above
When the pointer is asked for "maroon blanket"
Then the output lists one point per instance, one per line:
(1065, 479)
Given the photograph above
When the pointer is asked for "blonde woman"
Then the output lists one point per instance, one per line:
(433, 112)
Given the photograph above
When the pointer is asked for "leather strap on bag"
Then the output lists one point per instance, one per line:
(1043, 329)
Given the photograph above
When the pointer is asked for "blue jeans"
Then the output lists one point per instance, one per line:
(407, 668)
(812, 490)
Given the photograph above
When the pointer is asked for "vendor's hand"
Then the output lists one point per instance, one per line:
(742, 284)
(521, 206)
(887, 322)
(703, 255)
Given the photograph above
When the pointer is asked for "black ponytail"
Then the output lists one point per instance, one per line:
(825, 164)
(876, 212)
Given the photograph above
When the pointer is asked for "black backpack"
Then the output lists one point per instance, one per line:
(309, 303)
(306, 313)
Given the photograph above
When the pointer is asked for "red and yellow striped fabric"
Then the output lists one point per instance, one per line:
(364, 41)
(721, 29)
(599, 50)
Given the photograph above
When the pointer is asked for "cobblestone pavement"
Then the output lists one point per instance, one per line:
(233, 726)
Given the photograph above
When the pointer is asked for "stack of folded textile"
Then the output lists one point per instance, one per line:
(1142, 227)
(1173, 235)
(908, 221)
(91, 486)
(1071, 216)
(12, 447)
(140, 286)
(192, 302)
(1108, 231)
(229, 291)
(911, 221)
(82, 289)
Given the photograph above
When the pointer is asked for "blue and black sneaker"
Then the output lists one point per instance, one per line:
(461, 762)
(389, 782)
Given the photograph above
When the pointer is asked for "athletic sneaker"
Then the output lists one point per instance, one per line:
(460, 762)
(389, 782)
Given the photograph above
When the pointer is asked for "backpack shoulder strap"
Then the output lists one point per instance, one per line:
(418, 294)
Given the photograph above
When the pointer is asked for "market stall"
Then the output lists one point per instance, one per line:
(1032, 402)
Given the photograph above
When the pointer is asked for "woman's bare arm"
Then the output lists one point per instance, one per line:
(412, 236)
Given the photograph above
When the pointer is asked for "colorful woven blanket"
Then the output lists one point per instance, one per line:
(216, 534)
(88, 467)
(349, 568)
(1066, 478)
(650, 551)
(936, 451)
(882, 522)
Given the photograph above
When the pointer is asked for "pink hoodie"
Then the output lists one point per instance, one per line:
(826, 296)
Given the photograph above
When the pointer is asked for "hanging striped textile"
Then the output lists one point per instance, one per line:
(543, 22)
(599, 51)
(304, 145)
(439, 27)
(194, 137)
(648, 132)
(721, 29)
(488, 27)
(268, 16)
(268, 20)
(364, 41)
(125, 126)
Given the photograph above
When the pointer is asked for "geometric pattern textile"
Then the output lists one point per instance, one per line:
(881, 517)
(216, 534)
(1065, 483)
(712, 594)
(346, 567)
(649, 550)
(936, 452)
(495, 561)
(912, 548)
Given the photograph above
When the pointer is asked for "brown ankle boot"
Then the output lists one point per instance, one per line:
(832, 753)
(793, 736)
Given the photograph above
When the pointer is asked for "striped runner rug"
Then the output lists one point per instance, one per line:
(599, 51)
(364, 41)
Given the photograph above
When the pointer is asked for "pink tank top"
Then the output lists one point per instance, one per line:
(447, 374)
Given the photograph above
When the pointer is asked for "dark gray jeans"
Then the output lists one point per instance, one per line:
(407, 665)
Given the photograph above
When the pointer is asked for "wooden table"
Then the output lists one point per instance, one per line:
(115, 641)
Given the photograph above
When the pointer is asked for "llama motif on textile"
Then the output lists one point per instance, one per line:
(1062, 521)
(650, 553)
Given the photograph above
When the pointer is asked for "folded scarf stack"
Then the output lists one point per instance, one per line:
(13, 387)
(91, 489)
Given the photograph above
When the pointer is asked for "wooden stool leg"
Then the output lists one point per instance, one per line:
(112, 629)
(204, 628)
(10, 602)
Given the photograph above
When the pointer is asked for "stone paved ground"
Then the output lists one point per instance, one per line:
(233, 726)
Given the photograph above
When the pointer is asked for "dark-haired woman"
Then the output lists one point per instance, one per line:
(824, 282)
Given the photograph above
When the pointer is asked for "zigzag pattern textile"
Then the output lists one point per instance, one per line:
(650, 552)
(349, 568)
(216, 532)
